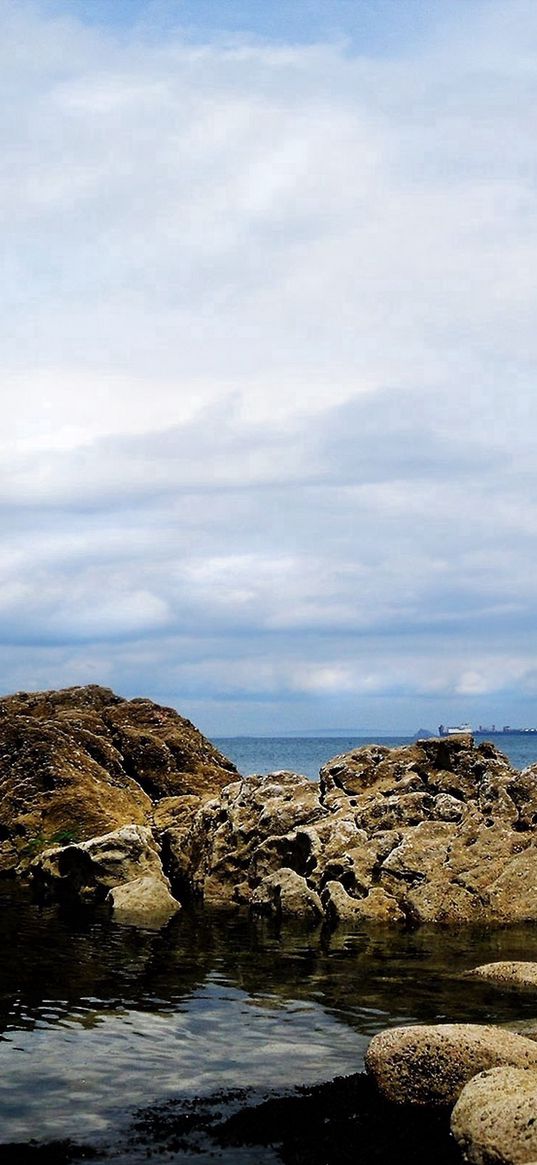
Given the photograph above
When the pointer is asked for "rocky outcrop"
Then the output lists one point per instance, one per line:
(83, 761)
(438, 831)
(430, 1064)
(495, 1118)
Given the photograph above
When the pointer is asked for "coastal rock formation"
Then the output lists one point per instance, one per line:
(442, 830)
(429, 1064)
(83, 761)
(437, 831)
(495, 1118)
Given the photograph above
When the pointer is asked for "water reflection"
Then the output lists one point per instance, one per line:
(96, 1018)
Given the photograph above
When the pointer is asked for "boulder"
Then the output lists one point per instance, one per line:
(429, 1064)
(89, 869)
(82, 761)
(495, 1118)
(513, 974)
(146, 901)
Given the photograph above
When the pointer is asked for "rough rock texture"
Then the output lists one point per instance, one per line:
(81, 761)
(88, 869)
(513, 974)
(287, 895)
(495, 1119)
(437, 831)
(145, 901)
(430, 1063)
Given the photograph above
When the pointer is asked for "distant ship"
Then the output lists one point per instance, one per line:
(453, 729)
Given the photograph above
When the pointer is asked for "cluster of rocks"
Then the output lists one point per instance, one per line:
(438, 831)
(488, 1075)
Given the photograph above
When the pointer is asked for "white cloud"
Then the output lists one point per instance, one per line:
(269, 340)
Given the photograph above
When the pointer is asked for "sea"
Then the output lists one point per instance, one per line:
(123, 1043)
(306, 754)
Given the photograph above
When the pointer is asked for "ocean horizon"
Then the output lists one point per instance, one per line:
(307, 753)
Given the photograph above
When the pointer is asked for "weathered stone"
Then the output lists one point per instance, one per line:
(430, 1064)
(286, 895)
(495, 1118)
(511, 973)
(90, 868)
(146, 901)
(82, 761)
(376, 906)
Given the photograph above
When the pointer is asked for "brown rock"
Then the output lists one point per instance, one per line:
(287, 895)
(430, 1064)
(83, 761)
(495, 1118)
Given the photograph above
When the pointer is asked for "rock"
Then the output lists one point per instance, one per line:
(145, 901)
(286, 895)
(430, 1064)
(495, 1118)
(82, 761)
(90, 868)
(507, 973)
(376, 906)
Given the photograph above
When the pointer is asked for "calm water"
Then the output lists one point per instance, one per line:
(306, 754)
(98, 1021)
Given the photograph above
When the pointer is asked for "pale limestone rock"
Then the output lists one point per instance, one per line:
(91, 867)
(145, 901)
(429, 1064)
(495, 1118)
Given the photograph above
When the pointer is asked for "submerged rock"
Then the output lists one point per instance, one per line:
(145, 901)
(495, 1118)
(429, 1064)
(510, 973)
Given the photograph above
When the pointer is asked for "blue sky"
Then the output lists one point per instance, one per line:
(269, 358)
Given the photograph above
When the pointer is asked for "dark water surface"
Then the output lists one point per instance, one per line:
(99, 1021)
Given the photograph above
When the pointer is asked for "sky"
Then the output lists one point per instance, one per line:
(268, 358)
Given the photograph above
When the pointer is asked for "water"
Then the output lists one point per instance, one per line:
(97, 1020)
(306, 754)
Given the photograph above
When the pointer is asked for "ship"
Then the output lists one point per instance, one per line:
(453, 729)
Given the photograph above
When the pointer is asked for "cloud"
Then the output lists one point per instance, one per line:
(268, 368)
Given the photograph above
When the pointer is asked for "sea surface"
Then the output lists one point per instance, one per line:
(306, 754)
(111, 1036)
